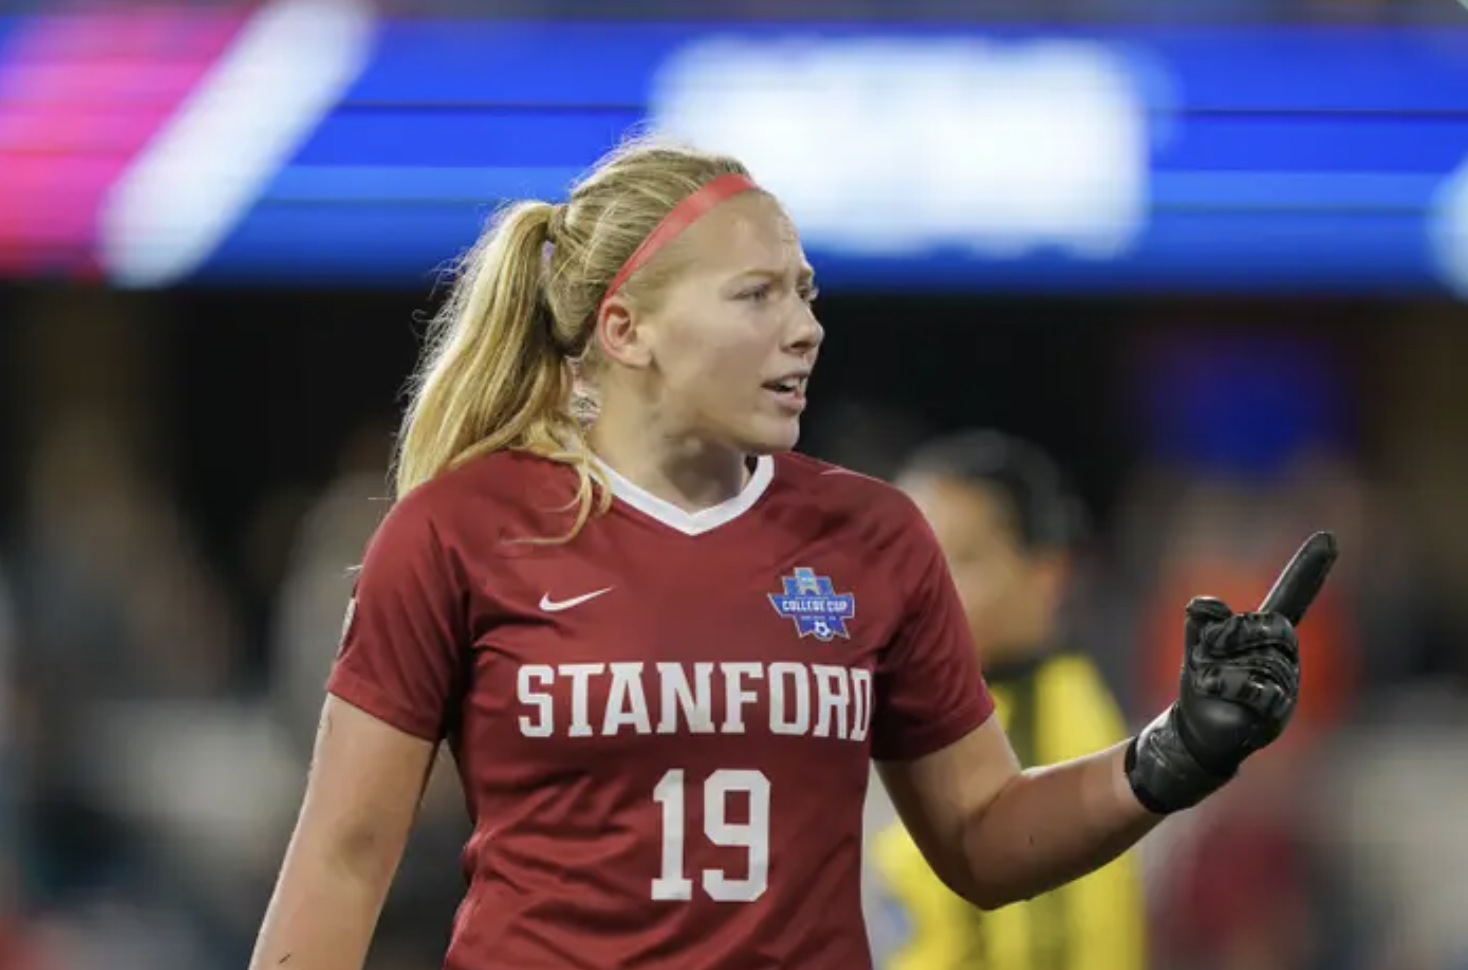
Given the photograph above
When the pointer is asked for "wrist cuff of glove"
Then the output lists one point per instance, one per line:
(1163, 774)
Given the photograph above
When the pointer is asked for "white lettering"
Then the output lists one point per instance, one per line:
(782, 721)
(582, 700)
(626, 704)
(695, 702)
(543, 724)
(861, 718)
(580, 675)
(833, 694)
(735, 696)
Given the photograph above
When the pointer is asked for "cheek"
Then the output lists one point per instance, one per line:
(719, 355)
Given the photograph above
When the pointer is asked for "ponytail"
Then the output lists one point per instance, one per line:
(491, 376)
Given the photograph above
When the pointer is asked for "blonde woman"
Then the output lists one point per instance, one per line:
(662, 648)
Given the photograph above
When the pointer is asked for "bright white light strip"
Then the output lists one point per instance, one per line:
(289, 66)
(1447, 230)
(888, 147)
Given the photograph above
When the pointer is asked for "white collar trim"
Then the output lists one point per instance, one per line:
(692, 523)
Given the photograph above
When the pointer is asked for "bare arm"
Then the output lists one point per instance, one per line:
(366, 782)
(996, 834)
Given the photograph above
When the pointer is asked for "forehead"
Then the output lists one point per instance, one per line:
(749, 231)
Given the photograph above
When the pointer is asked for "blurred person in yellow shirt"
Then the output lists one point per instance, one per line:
(1008, 525)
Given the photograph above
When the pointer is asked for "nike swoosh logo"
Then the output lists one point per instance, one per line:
(556, 606)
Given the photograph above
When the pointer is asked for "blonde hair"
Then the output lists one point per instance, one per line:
(502, 358)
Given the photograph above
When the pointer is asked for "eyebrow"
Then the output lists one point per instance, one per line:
(806, 274)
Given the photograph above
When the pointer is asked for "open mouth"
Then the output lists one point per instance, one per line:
(788, 393)
(790, 388)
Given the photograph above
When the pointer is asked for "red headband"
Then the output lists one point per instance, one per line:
(684, 214)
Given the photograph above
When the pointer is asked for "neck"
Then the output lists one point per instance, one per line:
(680, 469)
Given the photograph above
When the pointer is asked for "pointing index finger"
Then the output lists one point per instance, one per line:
(1302, 579)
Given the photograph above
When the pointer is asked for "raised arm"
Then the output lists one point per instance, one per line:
(997, 835)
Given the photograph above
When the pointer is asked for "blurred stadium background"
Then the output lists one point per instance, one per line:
(1207, 252)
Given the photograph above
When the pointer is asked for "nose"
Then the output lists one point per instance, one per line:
(806, 332)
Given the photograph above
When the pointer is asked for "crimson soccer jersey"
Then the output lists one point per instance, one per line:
(663, 727)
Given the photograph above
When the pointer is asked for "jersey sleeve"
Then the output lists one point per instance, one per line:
(404, 639)
(929, 690)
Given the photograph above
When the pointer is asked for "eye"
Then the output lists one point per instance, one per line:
(809, 292)
(757, 294)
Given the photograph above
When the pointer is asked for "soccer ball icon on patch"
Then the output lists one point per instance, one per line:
(811, 601)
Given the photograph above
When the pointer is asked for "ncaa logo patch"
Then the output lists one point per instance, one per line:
(815, 606)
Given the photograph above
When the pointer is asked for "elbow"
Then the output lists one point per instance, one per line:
(987, 898)
(998, 879)
(995, 870)
(986, 887)
(987, 892)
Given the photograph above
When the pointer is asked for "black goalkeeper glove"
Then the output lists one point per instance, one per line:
(1240, 682)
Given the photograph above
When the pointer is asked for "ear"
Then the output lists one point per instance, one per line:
(621, 336)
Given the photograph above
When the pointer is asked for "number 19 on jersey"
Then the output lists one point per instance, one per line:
(753, 836)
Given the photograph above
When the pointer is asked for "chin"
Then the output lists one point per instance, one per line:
(770, 437)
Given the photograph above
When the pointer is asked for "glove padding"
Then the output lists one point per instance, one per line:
(1240, 682)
